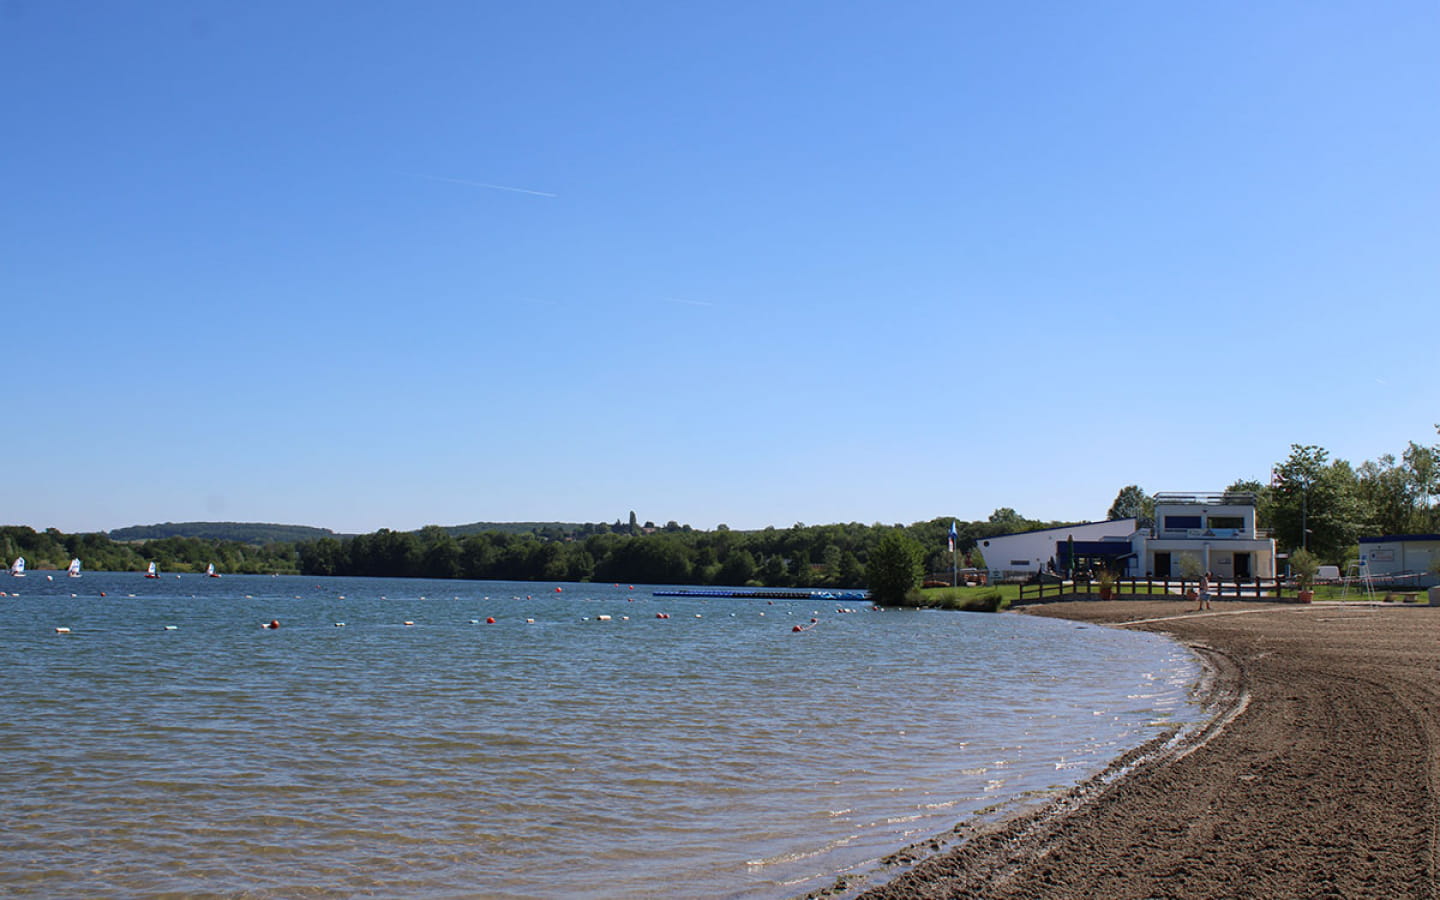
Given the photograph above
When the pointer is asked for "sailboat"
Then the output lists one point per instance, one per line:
(17, 568)
(151, 573)
(74, 570)
(210, 571)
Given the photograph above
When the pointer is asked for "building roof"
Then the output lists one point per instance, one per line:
(1202, 498)
(1389, 538)
(1062, 528)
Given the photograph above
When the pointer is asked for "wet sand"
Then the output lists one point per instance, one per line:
(1316, 777)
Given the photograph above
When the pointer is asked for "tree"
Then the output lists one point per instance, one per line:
(773, 571)
(1338, 517)
(1264, 500)
(1007, 519)
(800, 572)
(851, 574)
(1133, 503)
(441, 559)
(322, 557)
(1295, 479)
(1191, 566)
(894, 568)
(1304, 567)
(1317, 503)
(1387, 493)
(830, 564)
(652, 560)
(737, 569)
(1422, 464)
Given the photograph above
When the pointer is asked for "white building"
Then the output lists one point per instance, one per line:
(1022, 555)
(1216, 532)
(1400, 554)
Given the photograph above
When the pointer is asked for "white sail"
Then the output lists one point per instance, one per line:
(210, 570)
(17, 568)
(74, 570)
(151, 573)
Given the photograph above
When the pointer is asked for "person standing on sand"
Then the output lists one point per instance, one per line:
(1203, 600)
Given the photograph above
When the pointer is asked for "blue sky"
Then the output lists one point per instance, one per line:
(364, 265)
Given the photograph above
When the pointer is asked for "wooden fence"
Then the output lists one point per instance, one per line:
(1154, 588)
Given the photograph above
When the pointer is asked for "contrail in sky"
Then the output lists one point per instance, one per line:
(481, 184)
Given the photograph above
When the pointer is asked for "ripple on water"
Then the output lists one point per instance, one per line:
(717, 756)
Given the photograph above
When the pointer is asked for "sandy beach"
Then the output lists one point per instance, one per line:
(1316, 777)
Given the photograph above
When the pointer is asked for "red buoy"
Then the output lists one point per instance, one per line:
(489, 620)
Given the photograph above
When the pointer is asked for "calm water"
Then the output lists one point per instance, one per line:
(712, 754)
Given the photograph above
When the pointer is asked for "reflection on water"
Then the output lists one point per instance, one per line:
(552, 753)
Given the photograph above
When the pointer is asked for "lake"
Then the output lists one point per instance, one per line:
(169, 743)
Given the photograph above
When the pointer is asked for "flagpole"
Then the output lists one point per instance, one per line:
(954, 556)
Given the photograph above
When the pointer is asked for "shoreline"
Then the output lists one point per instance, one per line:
(1313, 773)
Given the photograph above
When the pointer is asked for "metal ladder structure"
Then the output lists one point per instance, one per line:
(1361, 574)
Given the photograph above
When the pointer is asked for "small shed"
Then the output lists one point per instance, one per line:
(1400, 554)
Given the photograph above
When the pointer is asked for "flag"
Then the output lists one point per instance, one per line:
(954, 533)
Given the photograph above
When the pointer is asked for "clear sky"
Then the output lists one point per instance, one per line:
(364, 265)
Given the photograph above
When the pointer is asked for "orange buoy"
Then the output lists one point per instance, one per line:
(489, 620)
(274, 623)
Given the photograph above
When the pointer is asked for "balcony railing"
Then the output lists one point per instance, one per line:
(1211, 534)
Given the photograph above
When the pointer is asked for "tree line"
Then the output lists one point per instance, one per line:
(1312, 501)
(799, 556)
(52, 549)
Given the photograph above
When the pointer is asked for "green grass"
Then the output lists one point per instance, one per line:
(970, 599)
(1357, 592)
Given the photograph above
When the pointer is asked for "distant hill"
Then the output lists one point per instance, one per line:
(517, 528)
(258, 533)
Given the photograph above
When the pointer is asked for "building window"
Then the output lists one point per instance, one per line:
(1231, 522)
(1019, 562)
(1181, 523)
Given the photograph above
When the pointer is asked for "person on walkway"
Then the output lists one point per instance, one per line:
(1203, 601)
